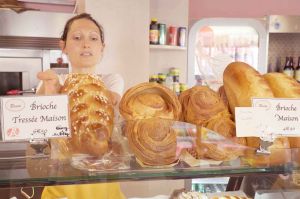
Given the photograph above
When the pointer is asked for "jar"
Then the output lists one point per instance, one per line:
(183, 87)
(161, 78)
(175, 73)
(153, 78)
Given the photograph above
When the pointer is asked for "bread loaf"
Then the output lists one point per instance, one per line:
(241, 83)
(91, 113)
(149, 100)
(284, 86)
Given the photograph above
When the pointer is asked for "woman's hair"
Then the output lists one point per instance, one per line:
(81, 16)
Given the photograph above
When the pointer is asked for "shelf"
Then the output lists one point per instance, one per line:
(45, 171)
(166, 47)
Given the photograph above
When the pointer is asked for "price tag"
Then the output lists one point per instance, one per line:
(34, 117)
(271, 117)
(252, 122)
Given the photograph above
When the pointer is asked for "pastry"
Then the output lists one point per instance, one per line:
(241, 83)
(153, 141)
(222, 151)
(148, 100)
(201, 104)
(91, 113)
(222, 94)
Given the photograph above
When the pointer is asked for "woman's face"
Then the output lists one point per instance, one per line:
(83, 45)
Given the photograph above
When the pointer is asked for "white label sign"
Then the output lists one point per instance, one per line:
(251, 122)
(279, 117)
(34, 117)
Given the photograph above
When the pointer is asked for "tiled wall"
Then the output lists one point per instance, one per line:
(280, 46)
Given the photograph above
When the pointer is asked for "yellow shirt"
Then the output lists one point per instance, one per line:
(85, 191)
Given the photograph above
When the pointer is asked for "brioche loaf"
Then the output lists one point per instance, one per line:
(91, 113)
(284, 86)
(241, 83)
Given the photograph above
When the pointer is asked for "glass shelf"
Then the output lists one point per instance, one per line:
(167, 47)
(24, 171)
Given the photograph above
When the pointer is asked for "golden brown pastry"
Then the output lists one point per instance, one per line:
(153, 141)
(201, 104)
(284, 86)
(148, 100)
(91, 113)
(222, 94)
(241, 83)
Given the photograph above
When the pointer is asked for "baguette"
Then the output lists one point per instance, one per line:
(284, 86)
(241, 84)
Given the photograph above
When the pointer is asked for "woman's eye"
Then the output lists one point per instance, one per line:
(76, 37)
(95, 38)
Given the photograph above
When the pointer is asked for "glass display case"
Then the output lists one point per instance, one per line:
(23, 170)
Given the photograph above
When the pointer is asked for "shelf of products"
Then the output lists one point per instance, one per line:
(166, 47)
(46, 171)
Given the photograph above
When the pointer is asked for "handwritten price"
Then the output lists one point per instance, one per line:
(287, 128)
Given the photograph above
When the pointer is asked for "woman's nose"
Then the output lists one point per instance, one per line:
(86, 43)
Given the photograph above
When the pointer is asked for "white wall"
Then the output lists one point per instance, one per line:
(126, 36)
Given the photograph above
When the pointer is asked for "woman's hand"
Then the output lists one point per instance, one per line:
(50, 84)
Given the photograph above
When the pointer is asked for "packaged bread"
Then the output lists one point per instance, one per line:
(204, 107)
(149, 100)
(284, 86)
(91, 114)
(241, 83)
(221, 150)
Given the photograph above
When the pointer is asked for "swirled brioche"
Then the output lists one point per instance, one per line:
(153, 141)
(284, 86)
(148, 100)
(91, 113)
(201, 104)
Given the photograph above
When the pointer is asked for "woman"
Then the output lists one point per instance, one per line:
(83, 43)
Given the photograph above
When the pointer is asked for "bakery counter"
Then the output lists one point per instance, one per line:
(42, 171)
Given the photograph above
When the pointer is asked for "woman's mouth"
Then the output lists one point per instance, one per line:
(86, 54)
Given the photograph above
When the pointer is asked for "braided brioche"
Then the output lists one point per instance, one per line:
(91, 113)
